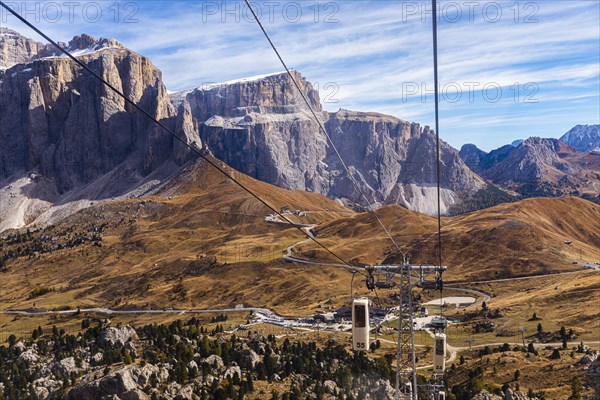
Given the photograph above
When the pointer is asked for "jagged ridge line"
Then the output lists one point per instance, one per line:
(322, 128)
(170, 131)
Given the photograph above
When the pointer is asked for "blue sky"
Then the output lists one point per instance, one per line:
(374, 55)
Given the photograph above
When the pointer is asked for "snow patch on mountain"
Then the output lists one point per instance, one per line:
(177, 97)
(583, 137)
(240, 80)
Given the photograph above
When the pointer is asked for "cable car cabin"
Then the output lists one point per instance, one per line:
(360, 324)
(439, 356)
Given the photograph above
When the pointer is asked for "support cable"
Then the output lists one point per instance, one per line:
(437, 145)
(322, 128)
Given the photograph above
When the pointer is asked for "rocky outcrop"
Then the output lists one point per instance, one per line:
(537, 167)
(79, 139)
(508, 395)
(593, 377)
(472, 155)
(16, 49)
(583, 137)
(395, 162)
(263, 128)
(120, 335)
(68, 365)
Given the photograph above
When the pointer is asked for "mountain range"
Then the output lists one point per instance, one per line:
(68, 141)
(539, 167)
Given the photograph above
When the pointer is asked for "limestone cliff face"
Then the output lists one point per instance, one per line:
(62, 124)
(16, 49)
(395, 162)
(271, 94)
(263, 128)
(67, 139)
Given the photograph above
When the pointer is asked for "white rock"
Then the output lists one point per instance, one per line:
(231, 371)
(97, 358)
(68, 365)
(214, 361)
(330, 386)
(118, 335)
(29, 356)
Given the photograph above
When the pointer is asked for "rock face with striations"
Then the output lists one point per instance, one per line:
(583, 137)
(472, 156)
(68, 140)
(62, 127)
(16, 49)
(537, 167)
(263, 128)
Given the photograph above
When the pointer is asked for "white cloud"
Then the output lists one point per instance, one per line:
(372, 51)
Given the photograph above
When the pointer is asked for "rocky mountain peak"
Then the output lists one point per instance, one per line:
(472, 155)
(262, 127)
(16, 48)
(266, 94)
(75, 136)
(87, 42)
(583, 137)
(537, 167)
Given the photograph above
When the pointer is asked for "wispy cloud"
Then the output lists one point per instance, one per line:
(372, 49)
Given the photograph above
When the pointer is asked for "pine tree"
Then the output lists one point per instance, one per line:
(127, 358)
(250, 383)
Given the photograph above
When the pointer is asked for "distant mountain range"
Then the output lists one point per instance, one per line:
(541, 167)
(68, 141)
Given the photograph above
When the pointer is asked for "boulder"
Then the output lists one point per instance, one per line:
(68, 365)
(121, 335)
(134, 395)
(214, 361)
(130, 347)
(231, 371)
(44, 387)
(593, 377)
(192, 365)
(250, 358)
(588, 359)
(111, 385)
(485, 395)
(30, 356)
(383, 390)
(97, 358)
(330, 386)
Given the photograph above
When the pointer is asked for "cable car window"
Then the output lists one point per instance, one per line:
(360, 317)
(439, 347)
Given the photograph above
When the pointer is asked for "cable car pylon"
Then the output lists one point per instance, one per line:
(407, 277)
